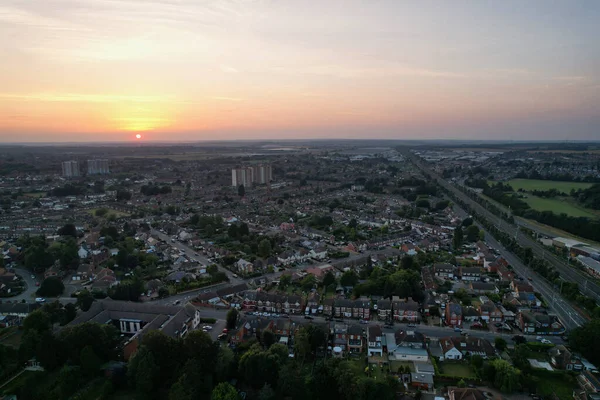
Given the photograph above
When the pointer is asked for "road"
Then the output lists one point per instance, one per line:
(29, 293)
(191, 254)
(566, 272)
(427, 330)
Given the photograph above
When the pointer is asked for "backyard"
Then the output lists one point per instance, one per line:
(459, 369)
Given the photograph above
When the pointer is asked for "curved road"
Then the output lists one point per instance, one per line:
(29, 293)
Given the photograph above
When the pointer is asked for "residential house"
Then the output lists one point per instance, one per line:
(444, 270)
(343, 308)
(422, 378)
(230, 291)
(249, 301)
(471, 314)
(412, 339)
(466, 346)
(470, 273)
(504, 274)
(532, 323)
(374, 340)
(313, 302)
(405, 310)
(361, 308)
(328, 306)
(482, 288)
(282, 327)
(251, 328)
(279, 303)
(355, 339)
(104, 279)
(84, 273)
(320, 271)
(339, 332)
(454, 315)
(244, 266)
(490, 312)
(590, 386)
(562, 358)
(384, 309)
(14, 313)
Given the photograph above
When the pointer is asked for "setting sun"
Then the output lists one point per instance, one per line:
(138, 136)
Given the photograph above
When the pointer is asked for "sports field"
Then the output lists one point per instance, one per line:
(534, 184)
(558, 206)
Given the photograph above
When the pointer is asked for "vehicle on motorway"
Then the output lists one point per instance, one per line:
(40, 299)
(308, 317)
(457, 330)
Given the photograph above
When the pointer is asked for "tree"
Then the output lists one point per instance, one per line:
(328, 279)
(90, 362)
(143, 372)
(232, 316)
(225, 364)
(267, 338)
(500, 344)
(241, 190)
(308, 340)
(68, 230)
(477, 361)
(51, 287)
(37, 321)
(285, 281)
(467, 222)
(224, 391)
(264, 248)
(266, 393)
(349, 278)
(519, 339)
(506, 377)
(69, 314)
(457, 240)
(472, 233)
(308, 282)
(586, 340)
(84, 300)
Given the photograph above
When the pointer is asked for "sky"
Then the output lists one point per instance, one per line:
(169, 70)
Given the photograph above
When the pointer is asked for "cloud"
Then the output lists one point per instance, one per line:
(222, 98)
(227, 69)
(85, 98)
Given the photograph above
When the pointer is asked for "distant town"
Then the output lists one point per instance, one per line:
(426, 269)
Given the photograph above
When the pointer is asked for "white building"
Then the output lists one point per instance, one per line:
(98, 167)
(70, 169)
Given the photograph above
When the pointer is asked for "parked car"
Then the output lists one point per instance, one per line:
(457, 330)
(222, 336)
(308, 317)
(225, 331)
(40, 299)
(362, 321)
(498, 324)
(546, 341)
(538, 338)
(388, 326)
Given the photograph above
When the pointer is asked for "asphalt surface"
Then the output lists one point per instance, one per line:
(29, 293)
(566, 272)
(427, 330)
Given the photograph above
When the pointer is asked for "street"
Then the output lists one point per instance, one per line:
(29, 293)
(427, 330)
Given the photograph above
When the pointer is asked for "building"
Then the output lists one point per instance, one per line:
(70, 169)
(355, 339)
(455, 348)
(455, 393)
(405, 310)
(260, 174)
(97, 167)
(562, 358)
(242, 176)
(134, 320)
(374, 339)
(591, 266)
(454, 315)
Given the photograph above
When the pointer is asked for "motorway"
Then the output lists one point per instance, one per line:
(427, 330)
(566, 272)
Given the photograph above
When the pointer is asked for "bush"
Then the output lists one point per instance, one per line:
(51, 287)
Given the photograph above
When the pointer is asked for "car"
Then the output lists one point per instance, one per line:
(545, 341)
(362, 321)
(196, 254)
(37, 284)
(207, 327)
(538, 338)
(412, 325)
(388, 326)
(222, 336)
(225, 330)
(339, 320)
(249, 313)
(40, 300)
(32, 276)
(498, 324)
(176, 302)
(457, 330)
(308, 317)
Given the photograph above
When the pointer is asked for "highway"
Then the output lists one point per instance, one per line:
(586, 285)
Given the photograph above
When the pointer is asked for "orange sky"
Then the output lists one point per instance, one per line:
(104, 70)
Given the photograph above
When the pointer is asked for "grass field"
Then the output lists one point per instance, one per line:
(533, 184)
(553, 383)
(456, 369)
(117, 214)
(558, 206)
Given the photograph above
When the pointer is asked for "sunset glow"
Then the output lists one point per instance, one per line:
(226, 69)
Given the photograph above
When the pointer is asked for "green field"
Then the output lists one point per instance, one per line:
(533, 184)
(558, 206)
